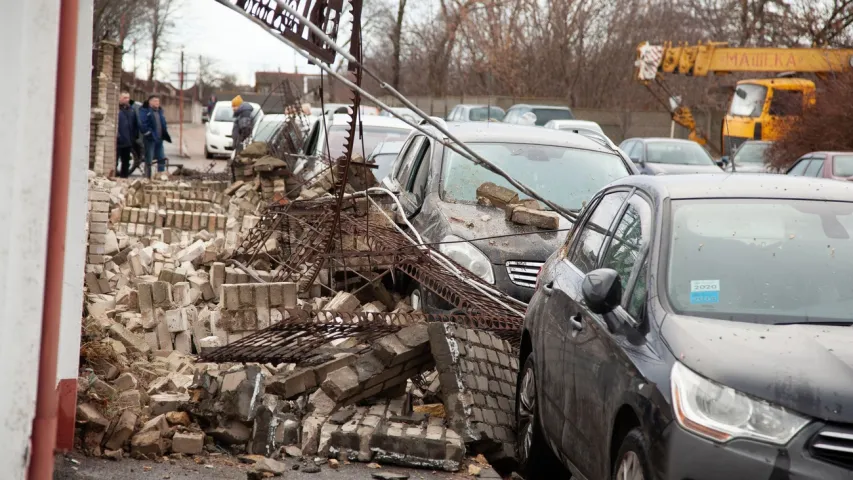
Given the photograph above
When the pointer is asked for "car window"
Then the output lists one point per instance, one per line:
(630, 236)
(678, 153)
(545, 115)
(408, 162)
(635, 149)
(748, 100)
(223, 114)
(373, 136)
(591, 239)
(511, 116)
(814, 167)
(417, 185)
(751, 153)
(785, 103)
(452, 115)
(800, 167)
(842, 165)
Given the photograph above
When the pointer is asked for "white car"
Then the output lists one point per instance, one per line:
(377, 129)
(217, 135)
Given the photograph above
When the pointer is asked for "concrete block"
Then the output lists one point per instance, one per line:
(343, 302)
(190, 443)
(132, 341)
(491, 194)
(536, 218)
(183, 343)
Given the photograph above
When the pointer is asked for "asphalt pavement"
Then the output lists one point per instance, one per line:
(77, 467)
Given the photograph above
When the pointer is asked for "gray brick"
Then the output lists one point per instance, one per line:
(492, 401)
(514, 363)
(506, 389)
(504, 404)
(485, 338)
(479, 399)
(495, 387)
(503, 418)
(498, 344)
(477, 413)
(492, 356)
(482, 383)
(503, 359)
(472, 336)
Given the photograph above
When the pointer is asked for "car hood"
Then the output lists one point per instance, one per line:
(476, 221)
(675, 169)
(223, 128)
(805, 368)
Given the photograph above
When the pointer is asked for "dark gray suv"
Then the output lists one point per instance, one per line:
(438, 191)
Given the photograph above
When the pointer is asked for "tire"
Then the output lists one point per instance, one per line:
(632, 461)
(535, 458)
(207, 153)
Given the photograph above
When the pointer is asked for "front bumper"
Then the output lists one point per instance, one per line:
(689, 457)
(218, 144)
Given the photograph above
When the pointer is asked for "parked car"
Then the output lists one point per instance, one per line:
(475, 113)
(438, 193)
(542, 114)
(574, 125)
(835, 165)
(344, 108)
(669, 338)
(748, 158)
(406, 113)
(326, 138)
(666, 156)
(217, 134)
(383, 157)
(267, 127)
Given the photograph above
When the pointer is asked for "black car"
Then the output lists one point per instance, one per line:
(668, 156)
(438, 191)
(695, 327)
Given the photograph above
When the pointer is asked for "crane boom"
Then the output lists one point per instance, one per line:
(718, 58)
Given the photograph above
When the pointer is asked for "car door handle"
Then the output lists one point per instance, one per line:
(548, 288)
(576, 322)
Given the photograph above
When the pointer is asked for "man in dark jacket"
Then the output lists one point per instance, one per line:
(155, 132)
(128, 129)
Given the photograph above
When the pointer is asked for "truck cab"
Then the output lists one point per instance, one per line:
(762, 109)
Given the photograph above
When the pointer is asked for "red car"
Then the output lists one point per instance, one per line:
(835, 165)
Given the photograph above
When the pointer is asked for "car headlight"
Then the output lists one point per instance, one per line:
(469, 257)
(214, 129)
(721, 413)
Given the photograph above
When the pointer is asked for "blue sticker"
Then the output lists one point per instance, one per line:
(704, 291)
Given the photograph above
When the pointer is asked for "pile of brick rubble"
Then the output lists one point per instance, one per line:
(160, 291)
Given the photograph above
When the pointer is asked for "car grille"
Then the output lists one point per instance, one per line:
(834, 444)
(523, 274)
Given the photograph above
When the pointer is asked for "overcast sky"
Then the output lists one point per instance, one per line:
(231, 41)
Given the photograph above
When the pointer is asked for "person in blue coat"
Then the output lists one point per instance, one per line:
(155, 132)
(128, 129)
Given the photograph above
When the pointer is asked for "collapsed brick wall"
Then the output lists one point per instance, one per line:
(477, 372)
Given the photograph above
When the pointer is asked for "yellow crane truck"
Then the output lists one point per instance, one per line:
(759, 109)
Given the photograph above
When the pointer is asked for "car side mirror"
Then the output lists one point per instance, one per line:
(723, 161)
(602, 290)
(637, 160)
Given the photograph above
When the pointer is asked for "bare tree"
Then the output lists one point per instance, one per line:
(396, 37)
(116, 19)
(159, 24)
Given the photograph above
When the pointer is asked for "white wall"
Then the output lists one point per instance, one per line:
(75, 236)
(28, 34)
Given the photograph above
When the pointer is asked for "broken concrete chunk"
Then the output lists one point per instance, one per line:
(494, 195)
(190, 443)
(343, 302)
(132, 341)
(147, 445)
(231, 433)
(125, 381)
(536, 218)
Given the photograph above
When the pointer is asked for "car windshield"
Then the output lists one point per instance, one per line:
(545, 115)
(478, 114)
(566, 176)
(751, 153)
(842, 165)
(223, 114)
(266, 129)
(748, 100)
(761, 260)
(373, 136)
(678, 153)
(383, 163)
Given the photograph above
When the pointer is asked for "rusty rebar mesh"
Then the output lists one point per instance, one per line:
(296, 338)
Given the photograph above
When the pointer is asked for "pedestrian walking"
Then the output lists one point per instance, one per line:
(128, 129)
(211, 104)
(155, 131)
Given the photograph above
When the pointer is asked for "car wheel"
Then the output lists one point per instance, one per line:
(207, 153)
(535, 458)
(632, 461)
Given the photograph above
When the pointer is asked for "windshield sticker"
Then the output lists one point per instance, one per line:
(704, 291)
